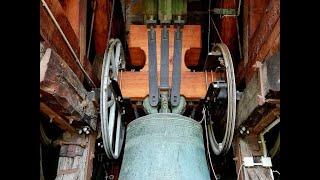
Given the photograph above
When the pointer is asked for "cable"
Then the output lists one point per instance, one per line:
(275, 171)
(68, 44)
(110, 22)
(207, 142)
(215, 27)
(91, 28)
(239, 171)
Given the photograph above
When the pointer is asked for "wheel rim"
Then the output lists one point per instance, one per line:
(225, 145)
(112, 127)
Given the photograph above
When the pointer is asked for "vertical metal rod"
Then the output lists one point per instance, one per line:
(176, 73)
(153, 79)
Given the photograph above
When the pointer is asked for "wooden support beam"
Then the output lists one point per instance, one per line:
(83, 31)
(101, 25)
(266, 120)
(63, 92)
(249, 147)
(134, 85)
(138, 37)
(76, 160)
(72, 11)
(57, 119)
(52, 36)
(264, 31)
(254, 102)
(229, 27)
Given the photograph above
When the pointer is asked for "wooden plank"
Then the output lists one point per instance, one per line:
(62, 90)
(101, 25)
(271, 46)
(90, 155)
(266, 120)
(249, 99)
(57, 119)
(72, 11)
(191, 39)
(134, 85)
(261, 35)
(248, 147)
(257, 10)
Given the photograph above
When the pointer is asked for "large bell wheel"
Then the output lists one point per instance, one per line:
(112, 126)
(226, 61)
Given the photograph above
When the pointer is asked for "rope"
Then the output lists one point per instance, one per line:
(91, 28)
(207, 141)
(110, 22)
(239, 171)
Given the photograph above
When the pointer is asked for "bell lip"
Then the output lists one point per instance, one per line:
(168, 114)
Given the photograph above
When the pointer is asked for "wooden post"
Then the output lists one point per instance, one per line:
(249, 147)
(76, 157)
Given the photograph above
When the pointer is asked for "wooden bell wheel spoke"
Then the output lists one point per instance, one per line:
(225, 60)
(112, 127)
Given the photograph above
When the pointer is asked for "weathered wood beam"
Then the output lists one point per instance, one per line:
(72, 11)
(57, 119)
(76, 157)
(249, 147)
(52, 36)
(63, 92)
(262, 34)
(253, 100)
(271, 46)
(266, 120)
(252, 11)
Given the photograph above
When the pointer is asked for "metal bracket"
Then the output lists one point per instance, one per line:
(153, 79)
(249, 162)
(224, 11)
(164, 68)
(176, 73)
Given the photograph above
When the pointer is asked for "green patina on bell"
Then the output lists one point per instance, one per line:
(164, 146)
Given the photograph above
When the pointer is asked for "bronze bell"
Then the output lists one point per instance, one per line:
(164, 146)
